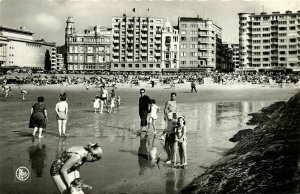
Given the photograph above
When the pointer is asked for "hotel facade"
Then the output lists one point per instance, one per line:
(87, 51)
(199, 40)
(18, 49)
(269, 42)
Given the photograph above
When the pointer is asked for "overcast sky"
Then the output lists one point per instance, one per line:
(47, 18)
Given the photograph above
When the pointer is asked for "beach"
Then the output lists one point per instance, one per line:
(214, 114)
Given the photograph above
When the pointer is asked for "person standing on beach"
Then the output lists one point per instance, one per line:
(103, 98)
(61, 110)
(193, 86)
(170, 106)
(144, 103)
(38, 117)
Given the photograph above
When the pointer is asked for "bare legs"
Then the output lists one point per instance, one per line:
(62, 124)
(40, 132)
(60, 184)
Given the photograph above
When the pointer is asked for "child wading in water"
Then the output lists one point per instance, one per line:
(180, 141)
(112, 106)
(153, 115)
(97, 104)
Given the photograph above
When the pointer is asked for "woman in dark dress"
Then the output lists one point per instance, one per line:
(66, 167)
(38, 117)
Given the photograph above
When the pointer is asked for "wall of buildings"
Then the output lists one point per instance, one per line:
(269, 42)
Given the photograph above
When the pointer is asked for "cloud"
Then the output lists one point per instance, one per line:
(48, 22)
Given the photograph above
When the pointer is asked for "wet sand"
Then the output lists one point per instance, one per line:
(213, 115)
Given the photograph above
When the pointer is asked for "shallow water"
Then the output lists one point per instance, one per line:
(212, 118)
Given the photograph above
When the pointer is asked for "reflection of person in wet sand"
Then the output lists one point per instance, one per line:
(37, 156)
(147, 153)
(66, 167)
(174, 180)
(61, 110)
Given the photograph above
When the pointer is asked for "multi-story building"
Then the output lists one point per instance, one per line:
(225, 63)
(269, 42)
(137, 44)
(60, 62)
(90, 50)
(236, 56)
(198, 43)
(18, 49)
(170, 48)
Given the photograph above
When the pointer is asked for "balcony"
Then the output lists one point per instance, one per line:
(144, 41)
(130, 35)
(130, 48)
(116, 54)
(115, 48)
(144, 35)
(158, 35)
(157, 54)
(144, 54)
(144, 48)
(144, 29)
(116, 41)
(157, 42)
(116, 35)
(130, 54)
(157, 48)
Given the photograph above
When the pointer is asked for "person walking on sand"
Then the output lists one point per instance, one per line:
(23, 92)
(144, 103)
(153, 115)
(61, 110)
(170, 106)
(103, 97)
(193, 86)
(38, 117)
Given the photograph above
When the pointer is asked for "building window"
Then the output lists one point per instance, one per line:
(137, 65)
(183, 38)
(144, 65)
(183, 54)
(157, 65)
(115, 65)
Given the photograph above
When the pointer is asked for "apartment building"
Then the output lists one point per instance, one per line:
(236, 56)
(137, 44)
(18, 49)
(89, 50)
(170, 48)
(199, 39)
(269, 42)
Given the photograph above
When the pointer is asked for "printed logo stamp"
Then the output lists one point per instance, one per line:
(22, 174)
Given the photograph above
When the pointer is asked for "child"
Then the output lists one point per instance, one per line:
(118, 102)
(23, 92)
(153, 115)
(112, 105)
(180, 141)
(77, 185)
(169, 136)
(97, 104)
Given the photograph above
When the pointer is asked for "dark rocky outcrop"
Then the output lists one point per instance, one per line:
(240, 135)
(267, 160)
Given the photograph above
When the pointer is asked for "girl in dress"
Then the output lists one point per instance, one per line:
(38, 117)
(97, 104)
(112, 105)
(180, 141)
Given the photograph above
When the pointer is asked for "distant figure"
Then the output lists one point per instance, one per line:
(87, 87)
(77, 185)
(38, 117)
(193, 86)
(170, 105)
(61, 110)
(23, 92)
(97, 104)
(144, 103)
(103, 98)
(9, 92)
(152, 83)
(112, 105)
(153, 115)
(118, 102)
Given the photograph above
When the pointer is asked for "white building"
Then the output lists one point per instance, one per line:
(18, 49)
(269, 42)
(170, 48)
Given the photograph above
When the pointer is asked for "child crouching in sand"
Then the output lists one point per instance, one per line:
(77, 185)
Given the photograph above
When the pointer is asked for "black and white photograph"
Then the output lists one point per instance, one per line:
(149, 96)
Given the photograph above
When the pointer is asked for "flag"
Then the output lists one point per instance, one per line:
(133, 10)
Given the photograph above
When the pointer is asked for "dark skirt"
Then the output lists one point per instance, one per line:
(37, 120)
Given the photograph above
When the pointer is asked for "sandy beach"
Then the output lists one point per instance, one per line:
(214, 114)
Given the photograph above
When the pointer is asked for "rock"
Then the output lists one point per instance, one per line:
(240, 135)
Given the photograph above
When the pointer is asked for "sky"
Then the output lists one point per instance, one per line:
(47, 18)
